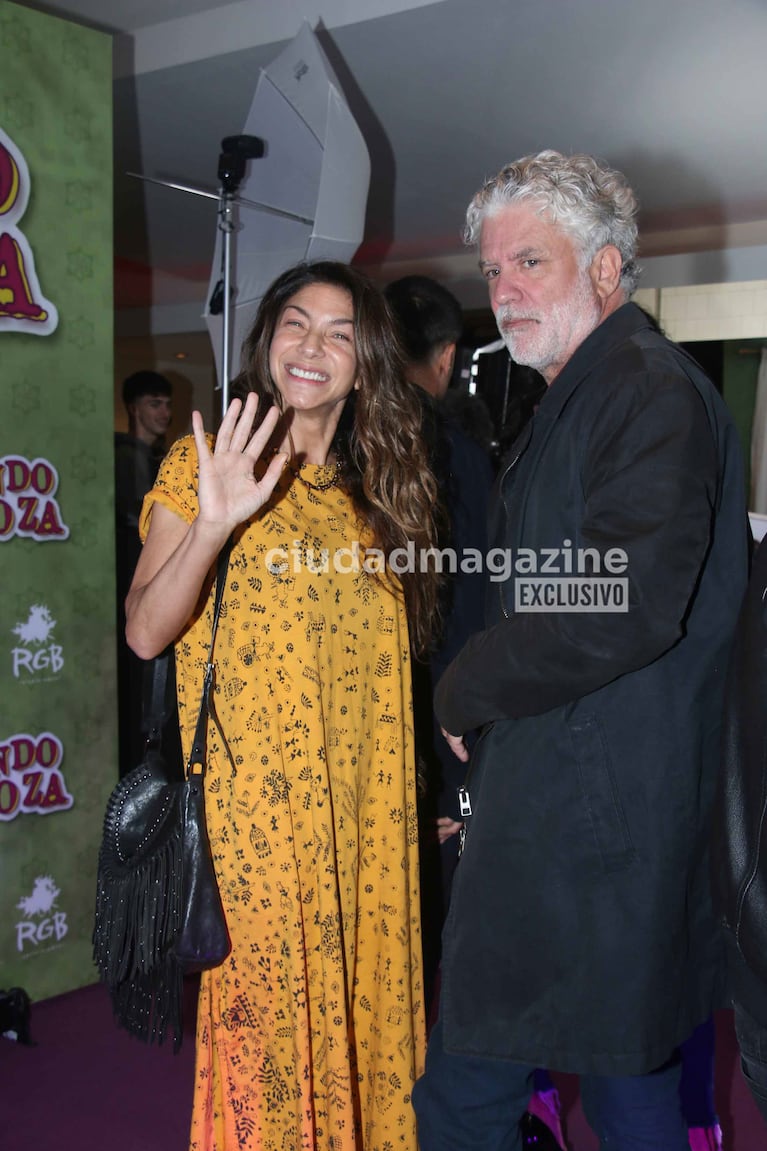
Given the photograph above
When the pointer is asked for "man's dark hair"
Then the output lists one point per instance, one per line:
(428, 315)
(145, 383)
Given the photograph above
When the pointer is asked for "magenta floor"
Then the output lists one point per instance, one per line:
(742, 1125)
(86, 1086)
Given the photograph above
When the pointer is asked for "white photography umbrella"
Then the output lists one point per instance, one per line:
(315, 166)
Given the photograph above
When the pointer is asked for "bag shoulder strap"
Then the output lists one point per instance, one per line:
(197, 758)
(154, 705)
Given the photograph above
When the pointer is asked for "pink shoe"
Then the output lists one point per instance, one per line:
(705, 1138)
(545, 1106)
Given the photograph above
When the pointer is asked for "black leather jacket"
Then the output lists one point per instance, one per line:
(740, 829)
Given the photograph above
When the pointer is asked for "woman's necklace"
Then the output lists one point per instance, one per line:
(324, 485)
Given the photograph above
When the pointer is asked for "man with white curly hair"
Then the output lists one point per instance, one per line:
(580, 935)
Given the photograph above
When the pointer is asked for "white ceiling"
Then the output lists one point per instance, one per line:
(674, 92)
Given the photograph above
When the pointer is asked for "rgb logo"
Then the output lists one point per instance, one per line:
(42, 922)
(36, 655)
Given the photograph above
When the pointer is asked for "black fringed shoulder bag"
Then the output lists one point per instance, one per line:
(158, 909)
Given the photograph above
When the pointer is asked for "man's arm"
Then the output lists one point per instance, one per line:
(650, 480)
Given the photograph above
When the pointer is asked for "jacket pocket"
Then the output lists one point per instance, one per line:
(600, 794)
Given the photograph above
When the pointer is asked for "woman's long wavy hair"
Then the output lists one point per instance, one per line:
(384, 458)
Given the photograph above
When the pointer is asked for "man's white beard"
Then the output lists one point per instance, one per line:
(553, 339)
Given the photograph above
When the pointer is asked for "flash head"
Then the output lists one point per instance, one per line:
(235, 151)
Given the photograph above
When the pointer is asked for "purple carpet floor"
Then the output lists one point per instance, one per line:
(87, 1086)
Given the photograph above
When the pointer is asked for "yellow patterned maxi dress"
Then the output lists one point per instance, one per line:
(311, 1034)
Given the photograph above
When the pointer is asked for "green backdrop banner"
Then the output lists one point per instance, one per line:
(58, 743)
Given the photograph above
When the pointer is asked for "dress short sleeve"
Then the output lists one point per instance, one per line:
(175, 486)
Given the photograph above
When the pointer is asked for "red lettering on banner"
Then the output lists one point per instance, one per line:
(22, 305)
(56, 794)
(10, 797)
(44, 791)
(28, 522)
(27, 504)
(7, 520)
(49, 751)
(19, 474)
(9, 180)
(33, 780)
(46, 523)
(39, 476)
(15, 295)
(30, 779)
(24, 751)
(49, 525)
(42, 477)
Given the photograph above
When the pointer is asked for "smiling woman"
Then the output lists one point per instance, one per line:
(375, 436)
(311, 1034)
(313, 362)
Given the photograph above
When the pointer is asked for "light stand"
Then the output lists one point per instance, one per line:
(235, 152)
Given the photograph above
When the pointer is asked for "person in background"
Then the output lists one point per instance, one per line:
(581, 935)
(148, 400)
(430, 325)
(312, 1031)
(147, 397)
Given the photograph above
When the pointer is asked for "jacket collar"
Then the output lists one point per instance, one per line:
(606, 337)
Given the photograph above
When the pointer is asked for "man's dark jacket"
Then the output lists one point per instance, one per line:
(580, 935)
(740, 821)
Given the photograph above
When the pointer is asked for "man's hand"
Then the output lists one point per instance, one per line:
(447, 827)
(456, 745)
